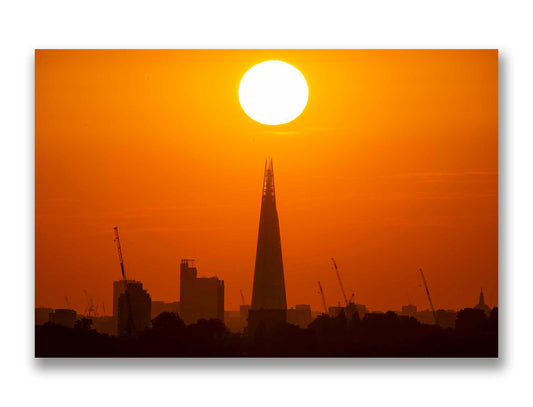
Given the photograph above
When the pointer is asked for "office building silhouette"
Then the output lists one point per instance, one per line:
(300, 315)
(200, 297)
(119, 287)
(139, 301)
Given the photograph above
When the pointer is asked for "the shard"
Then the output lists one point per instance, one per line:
(269, 303)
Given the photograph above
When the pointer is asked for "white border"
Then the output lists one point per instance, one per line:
(26, 25)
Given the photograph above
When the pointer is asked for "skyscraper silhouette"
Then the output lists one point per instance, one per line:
(269, 303)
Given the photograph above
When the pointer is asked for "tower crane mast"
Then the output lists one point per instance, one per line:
(130, 325)
(429, 298)
(340, 281)
(323, 298)
(121, 259)
(91, 310)
(351, 298)
(242, 298)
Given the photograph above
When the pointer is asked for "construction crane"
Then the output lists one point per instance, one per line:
(90, 310)
(429, 298)
(66, 300)
(130, 325)
(242, 298)
(340, 281)
(323, 298)
(117, 241)
(103, 308)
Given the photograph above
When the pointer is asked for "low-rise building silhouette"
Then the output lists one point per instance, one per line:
(360, 309)
(63, 316)
(446, 318)
(200, 297)
(105, 324)
(237, 321)
(335, 310)
(408, 310)
(425, 317)
(42, 315)
(300, 315)
(348, 310)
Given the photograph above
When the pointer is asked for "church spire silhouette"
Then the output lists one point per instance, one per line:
(481, 305)
(481, 298)
(269, 282)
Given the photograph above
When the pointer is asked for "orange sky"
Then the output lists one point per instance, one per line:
(393, 165)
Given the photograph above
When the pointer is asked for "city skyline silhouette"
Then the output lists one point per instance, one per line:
(268, 282)
(199, 326)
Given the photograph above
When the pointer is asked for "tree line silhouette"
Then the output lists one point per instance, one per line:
(376, 335)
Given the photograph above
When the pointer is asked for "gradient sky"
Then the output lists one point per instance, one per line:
(392, 166)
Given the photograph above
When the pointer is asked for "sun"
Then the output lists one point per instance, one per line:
(273, 92)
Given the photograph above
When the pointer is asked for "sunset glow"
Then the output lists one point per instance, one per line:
(385, 160)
